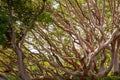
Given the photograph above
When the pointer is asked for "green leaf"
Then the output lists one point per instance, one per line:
(45, 17)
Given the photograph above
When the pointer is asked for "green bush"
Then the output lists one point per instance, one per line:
(12, 77)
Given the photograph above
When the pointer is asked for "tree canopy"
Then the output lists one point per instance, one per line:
(60, 39)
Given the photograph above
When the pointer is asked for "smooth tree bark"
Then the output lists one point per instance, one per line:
(21, 66)
(116, 58)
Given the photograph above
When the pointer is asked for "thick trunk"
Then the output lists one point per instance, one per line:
(21, 67)
(116, 64)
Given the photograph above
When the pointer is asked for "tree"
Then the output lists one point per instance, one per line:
(70, 39)
(82, 35)
(17, 17)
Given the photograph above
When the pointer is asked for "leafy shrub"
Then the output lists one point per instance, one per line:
(12, 77)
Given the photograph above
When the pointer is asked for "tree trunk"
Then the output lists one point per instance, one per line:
(21, 67)
(116, 64)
